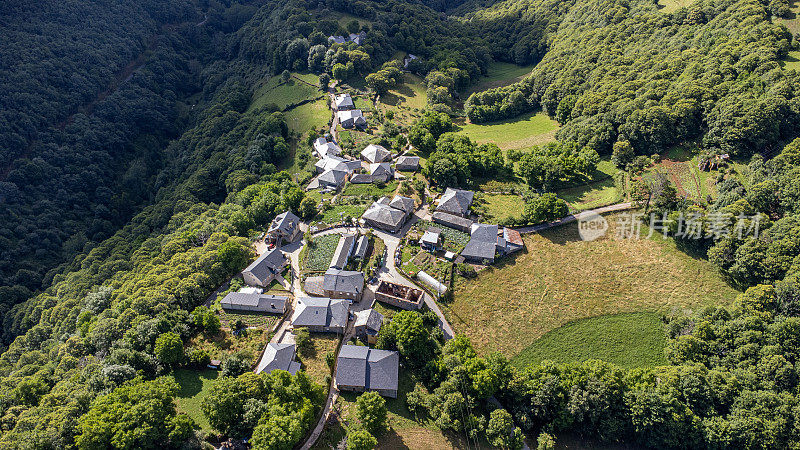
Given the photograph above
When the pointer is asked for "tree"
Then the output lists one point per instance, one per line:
(169, 348)
(234, 254)
(623, 153)
(139, 414)
(324, 81)
(371, 411)
(361, 440)
(501, 431)
(235, 365)
(545, 441)
(286, 76)
(544, 208)
(308, 208)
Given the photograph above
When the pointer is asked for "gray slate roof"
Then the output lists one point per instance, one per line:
(368, 368)
(407, 162)
(369, 318)
(404, 204)
(382, 171)
(385, 215)
(349, 281)
(343, 250)
(375, 153)
(362, 244)
(479, 250)
(343, 101)
(452, 220)
(484, 233)
(264, 302)
(267, 264)
(321, 312)
(332, 177)
(278, 357)
(285, 223)
(455, 201)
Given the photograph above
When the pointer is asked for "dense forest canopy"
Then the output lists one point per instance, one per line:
(134, 174)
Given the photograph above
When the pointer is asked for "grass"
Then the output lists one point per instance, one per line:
(334, 214)
(792, 60)
(558, 278)
(501, 206)
(406, 101)
(313, 115)
(314, 363)
(275, 91)
(320, 252)
(669, 6)
(355, 190)
(590, 196)
(452, 239)
(499, 74)
(224, 344)
(522, 132)
(627, 340)
(195, 386)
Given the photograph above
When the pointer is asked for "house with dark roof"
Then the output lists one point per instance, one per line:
(353, 118)
(284, 228)
(362, 246)
(343, 251)
(263, 270)
(343, 284)
(343, 102)
(374, 153)
(278, 357)
(255, 302)
(455, 201)
(383, 216)
(332, 179)
(407, 163)
(452, 221)
(368, 325)
(323, 148)
(405, 204)
(483, 244)
(361, 369)
(321, 315)
(381, 172)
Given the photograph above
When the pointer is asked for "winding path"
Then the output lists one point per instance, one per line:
(575, 217)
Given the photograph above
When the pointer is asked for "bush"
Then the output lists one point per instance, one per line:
(371, 410)
(235, 365)
(199, 358)
(361, 440)
(467, 271)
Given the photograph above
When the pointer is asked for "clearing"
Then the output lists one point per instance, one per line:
(309, 116)
(314, 362)
(498, 207)
(558, 278)
(195, 386)
(283, 94)
(499, 74)
(669, 6)
(521, 132)
(627, 340)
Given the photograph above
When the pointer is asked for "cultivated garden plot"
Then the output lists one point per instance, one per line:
(320, 251)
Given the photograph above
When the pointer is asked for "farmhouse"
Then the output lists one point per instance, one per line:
(383, 216)
(368, 324)
(407, 163)
(324, 149)
(405, 204)
(343, 102)
(483, 243)
(321, 315)
(284, 227)
(263, 270)
(430, 239)
(362, 245)
(332, 179)
(403, 297)
(456, 202)
(278, 357)
(452, 221)
(343, 251)
(255, 302)
(360, 369)
(382, 172)
(373, 153)
(346, 284)
(352, 118)
(331, 163)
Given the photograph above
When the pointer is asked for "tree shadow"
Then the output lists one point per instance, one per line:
(191, 381)
(390, 440)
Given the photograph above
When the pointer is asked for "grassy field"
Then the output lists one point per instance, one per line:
(522, 132)
(559, 278)
(321, 251)
(405, 101)
(195, 386)
(792, 60)
(669, 6)
(354, 190)
(590, 196)
(313, 115)
(500, 206)
(314, 364)
(282, 94)
(499, 74)
(335, 214)
(628, 340)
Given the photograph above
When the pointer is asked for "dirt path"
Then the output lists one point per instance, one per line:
(575, 217)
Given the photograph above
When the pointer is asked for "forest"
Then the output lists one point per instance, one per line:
(134, 176)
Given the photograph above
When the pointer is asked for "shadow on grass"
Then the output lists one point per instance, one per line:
(191, 381)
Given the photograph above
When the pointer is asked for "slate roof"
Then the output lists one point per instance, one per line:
(476, 249)
(407, 162)
(354, 114)
(343, 101)
(331, 162)
(327, 149)
(278, 357)
(360, 252)
(320, 312)
(455, 201)
(375, 153)
(263, 302)
(452, 220)
(404, 204)
(483, 232)
(338, 280)
(266, 265)
(369, 318)
(368, 368)
(343, 250)
(381, 171)
(431, 236)
(332, 177)
(384, 215)
(361, 178)
(285, 222)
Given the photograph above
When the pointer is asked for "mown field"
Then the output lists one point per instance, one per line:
(627, 340)
(195, 386)
(558, 279)
(522, 132)
(499, 74)
(283, 94)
